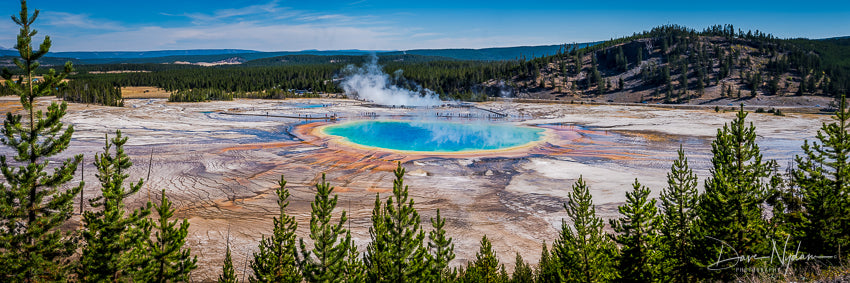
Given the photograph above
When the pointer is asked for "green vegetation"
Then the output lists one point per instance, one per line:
(276, 260)
(679, 243)
(35, 203)
(110, 250)
(583, 252)
(92, 92)
(822, 176)
(199, 95)
(163, 257)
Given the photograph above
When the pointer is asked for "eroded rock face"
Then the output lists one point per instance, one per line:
(220, 169)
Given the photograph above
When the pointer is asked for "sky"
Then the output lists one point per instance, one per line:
(281, 25)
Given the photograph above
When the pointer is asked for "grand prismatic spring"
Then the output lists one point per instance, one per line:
(434, 136)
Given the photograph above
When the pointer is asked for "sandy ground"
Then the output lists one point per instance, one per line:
(221, 169)
(130, 92)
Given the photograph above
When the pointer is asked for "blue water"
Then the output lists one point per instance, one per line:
(306, 105)
(434, 136)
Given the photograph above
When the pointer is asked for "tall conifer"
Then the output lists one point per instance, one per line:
(548, 268)
(678, 212)
(276, 260)
(110, 235)
(637, 233)
(355, 270)
(397, 253)
(486, 267)
(823, 175)
(731, 208)
(377, 252)
(326, 261)
(228, 273)
(584, 252)
(165, 258)
(442, 251)
(33, 202)
(522, 271)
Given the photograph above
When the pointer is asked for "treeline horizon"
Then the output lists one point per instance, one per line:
(690, 61)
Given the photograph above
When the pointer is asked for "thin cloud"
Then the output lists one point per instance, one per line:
(244, 35)
(325, 17)
(425, 34)
(225, 14)
(83, 21)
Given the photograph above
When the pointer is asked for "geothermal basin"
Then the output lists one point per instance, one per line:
(434, 136)
(219, 162)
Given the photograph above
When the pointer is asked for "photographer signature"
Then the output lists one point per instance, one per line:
(782, 257)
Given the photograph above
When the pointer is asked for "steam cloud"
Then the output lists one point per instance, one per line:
(369, 82)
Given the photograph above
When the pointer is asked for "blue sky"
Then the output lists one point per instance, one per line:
(269, 25)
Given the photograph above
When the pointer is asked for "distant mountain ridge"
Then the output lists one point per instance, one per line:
(82, 55)
(214, 55)
(493, 53)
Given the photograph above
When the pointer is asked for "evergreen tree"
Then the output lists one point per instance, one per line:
(679, 202)
(326, 262)
(165, 259)
(637, 234)
(355, 270)
(33, 203)
(683, 78)
(377, 252)
(228, 273)
(397, 253)
(110, 235)
(442, 251)
(486, 267)
(276, 260)
(547, 268)
(522, 271)
(584, 252)
(823, 175)
(730, 209)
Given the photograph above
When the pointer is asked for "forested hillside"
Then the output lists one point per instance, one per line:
(674, 64)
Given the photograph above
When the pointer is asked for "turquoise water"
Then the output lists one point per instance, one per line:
(306, 105)
(434, 136)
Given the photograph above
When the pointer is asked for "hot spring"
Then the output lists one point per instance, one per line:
(434, 136)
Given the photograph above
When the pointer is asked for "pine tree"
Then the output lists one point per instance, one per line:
(165, 258)
(110, 235)
(276, 259)
(397, 253)
(637, 234)
(355, 270)
(522, 271)
(730, 209)
(33, 203)
(228, 273)
(486, 267)
(326, 261)
(679, 202)
(683, 78)
(547, 268)
(585, 253)
(377, 252)
(442, 251)
(823, 175)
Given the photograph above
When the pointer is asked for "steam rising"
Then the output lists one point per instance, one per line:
(369, 82)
